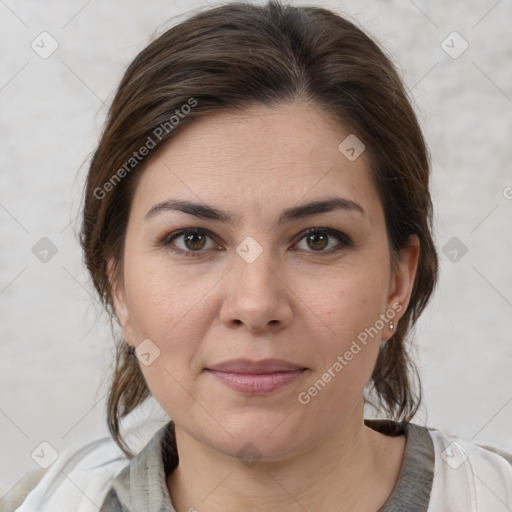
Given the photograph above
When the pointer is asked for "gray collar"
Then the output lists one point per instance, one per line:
(142, 485)
(412, 490)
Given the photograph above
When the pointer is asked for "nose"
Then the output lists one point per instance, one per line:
(256, 297)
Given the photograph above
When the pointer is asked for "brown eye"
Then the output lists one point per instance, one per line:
(188, 242)
(194, 241)
(319, 239)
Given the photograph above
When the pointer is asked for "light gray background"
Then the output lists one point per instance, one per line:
(56, 351)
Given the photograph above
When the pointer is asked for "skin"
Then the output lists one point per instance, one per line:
(292, 302)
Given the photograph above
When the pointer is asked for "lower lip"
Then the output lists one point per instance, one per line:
(256, 383)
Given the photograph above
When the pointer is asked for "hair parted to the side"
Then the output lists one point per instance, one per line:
(240, 55)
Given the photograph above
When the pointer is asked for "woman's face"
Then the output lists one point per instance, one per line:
(215, 308)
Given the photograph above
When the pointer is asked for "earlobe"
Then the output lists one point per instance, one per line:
(404, 273)
(118, 296)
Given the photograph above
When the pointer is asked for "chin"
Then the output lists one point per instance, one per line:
(250, 449)
(258, 435)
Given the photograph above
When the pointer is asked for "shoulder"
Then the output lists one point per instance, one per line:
(82, 476)
(468, 476)
(80, 473)
(12, 499)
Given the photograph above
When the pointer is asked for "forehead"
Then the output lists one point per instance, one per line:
(257, 158)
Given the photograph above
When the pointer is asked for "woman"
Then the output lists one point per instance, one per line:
(257, 218)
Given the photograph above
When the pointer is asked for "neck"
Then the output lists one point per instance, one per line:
(355, 469)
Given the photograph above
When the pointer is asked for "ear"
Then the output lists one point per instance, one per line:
(402, 277)
(119, 297)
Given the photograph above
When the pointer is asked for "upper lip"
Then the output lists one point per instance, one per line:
(250, 366)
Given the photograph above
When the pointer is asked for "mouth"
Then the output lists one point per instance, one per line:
(256, 377)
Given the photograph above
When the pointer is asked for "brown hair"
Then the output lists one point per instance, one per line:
(239, 55)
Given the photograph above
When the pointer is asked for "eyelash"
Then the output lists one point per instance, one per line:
(343, 239)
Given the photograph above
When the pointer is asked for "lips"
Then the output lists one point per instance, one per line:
(248, 366)
(256, 377)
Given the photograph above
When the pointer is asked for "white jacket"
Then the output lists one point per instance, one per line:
(467, 477)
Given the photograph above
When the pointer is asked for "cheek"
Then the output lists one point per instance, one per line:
(348, 358)
(352, 310)
(355, 302)
(160, 298)
(172, 308)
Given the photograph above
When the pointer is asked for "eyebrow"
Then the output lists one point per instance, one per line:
(204, 211)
